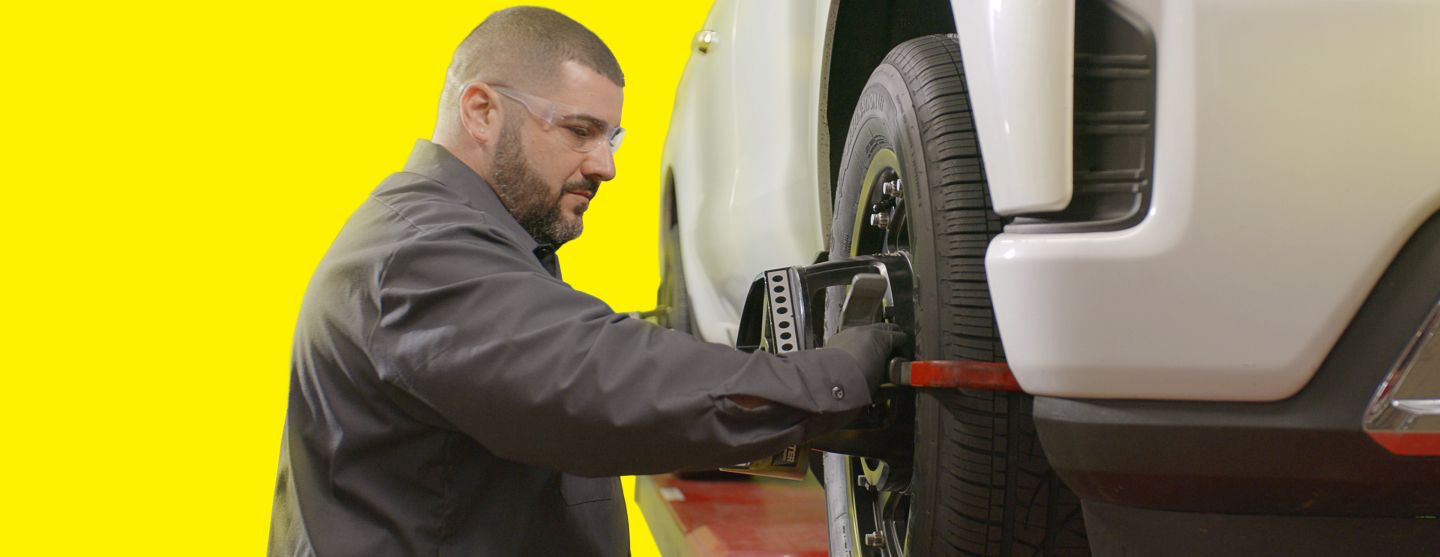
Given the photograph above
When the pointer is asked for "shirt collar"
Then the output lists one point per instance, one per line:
(438, 163)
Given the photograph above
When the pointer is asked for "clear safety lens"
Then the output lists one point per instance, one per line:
(580, 131)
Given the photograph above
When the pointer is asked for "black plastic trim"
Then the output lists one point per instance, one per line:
(1114, 124)
(1127, 531)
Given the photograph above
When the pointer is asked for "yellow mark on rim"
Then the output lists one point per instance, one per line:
(883, 159)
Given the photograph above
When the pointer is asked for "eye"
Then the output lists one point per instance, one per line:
(582, 132)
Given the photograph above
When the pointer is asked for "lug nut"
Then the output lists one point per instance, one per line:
(880, 220)
(891, 188)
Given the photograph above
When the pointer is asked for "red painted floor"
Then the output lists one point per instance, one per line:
(749, 517)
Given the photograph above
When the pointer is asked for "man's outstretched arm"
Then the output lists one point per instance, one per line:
(474, 329)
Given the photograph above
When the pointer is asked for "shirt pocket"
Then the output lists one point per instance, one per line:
(578, 490)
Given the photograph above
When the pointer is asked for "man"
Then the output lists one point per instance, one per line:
(450, 395)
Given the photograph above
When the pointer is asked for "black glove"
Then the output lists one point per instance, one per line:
(872, 346)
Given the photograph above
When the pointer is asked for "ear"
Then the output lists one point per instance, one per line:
(480, 112)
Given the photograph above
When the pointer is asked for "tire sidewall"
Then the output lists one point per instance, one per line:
(886, 118)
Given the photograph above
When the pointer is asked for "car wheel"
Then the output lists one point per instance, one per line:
(976, 481)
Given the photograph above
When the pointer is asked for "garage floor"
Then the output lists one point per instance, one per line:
(741, 517)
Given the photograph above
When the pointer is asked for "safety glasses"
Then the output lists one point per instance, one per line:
(582, 132)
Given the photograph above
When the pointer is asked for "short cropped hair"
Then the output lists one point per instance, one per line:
(523, 47)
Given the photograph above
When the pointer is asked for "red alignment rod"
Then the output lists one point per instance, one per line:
(962, 374)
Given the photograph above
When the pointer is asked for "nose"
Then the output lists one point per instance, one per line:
(599, 164)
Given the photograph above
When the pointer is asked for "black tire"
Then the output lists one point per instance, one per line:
(979, 483)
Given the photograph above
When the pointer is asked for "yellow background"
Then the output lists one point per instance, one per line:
(172, 174)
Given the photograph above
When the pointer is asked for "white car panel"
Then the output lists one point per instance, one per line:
(1285, 181)
(742, 151)
(1019, 65)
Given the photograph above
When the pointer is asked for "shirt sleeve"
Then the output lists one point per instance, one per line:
(472, 327)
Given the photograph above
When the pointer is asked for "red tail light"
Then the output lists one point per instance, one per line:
(1404, 415)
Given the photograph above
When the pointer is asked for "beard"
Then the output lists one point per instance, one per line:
(528, 197)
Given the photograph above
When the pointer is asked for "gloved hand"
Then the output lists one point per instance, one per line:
(872, 346)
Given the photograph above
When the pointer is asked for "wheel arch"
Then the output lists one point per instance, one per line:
(669, 211)
(854, 47)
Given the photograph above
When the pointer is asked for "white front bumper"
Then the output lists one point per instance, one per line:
(1296, 151)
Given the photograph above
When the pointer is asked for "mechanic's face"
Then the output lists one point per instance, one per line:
(545, 177)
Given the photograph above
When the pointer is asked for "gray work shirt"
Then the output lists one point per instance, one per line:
(449, 395)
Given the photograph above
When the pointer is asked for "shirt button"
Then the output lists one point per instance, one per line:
(838, 392)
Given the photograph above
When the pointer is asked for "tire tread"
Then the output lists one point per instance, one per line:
(997, 493)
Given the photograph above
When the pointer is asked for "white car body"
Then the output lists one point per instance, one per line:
(1294, 147)
(742, 153)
